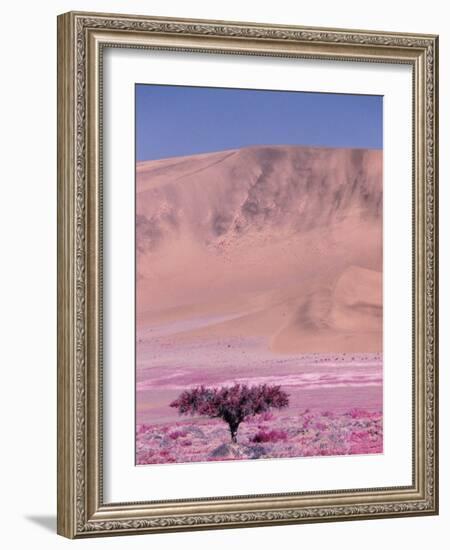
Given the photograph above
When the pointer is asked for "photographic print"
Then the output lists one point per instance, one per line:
(247, 274)
(259, 274)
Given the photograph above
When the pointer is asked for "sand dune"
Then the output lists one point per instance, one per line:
(343, 318)
(281, 243)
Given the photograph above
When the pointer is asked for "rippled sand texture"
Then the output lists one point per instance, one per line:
(255, 265)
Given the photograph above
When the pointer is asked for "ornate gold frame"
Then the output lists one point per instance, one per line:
(81, 38)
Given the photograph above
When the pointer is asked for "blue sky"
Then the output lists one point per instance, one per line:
(183, 120)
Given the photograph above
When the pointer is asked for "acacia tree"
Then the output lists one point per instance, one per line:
(233, 404)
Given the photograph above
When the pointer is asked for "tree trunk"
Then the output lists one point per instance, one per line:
(233, 431)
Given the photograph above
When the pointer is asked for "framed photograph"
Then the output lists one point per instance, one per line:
(247, 274)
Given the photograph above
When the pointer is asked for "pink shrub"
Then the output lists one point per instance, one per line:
(307, 419)
(142, 428)
(358, 437)
(144, 457)
(165, 457)
(271, 436)
(176, 434)
(357, 413)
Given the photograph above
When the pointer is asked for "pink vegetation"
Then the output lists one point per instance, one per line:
(265, 436)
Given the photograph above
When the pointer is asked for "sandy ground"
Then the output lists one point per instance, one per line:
(337, 382)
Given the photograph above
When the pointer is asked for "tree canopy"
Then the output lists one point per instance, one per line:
(233, 404)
